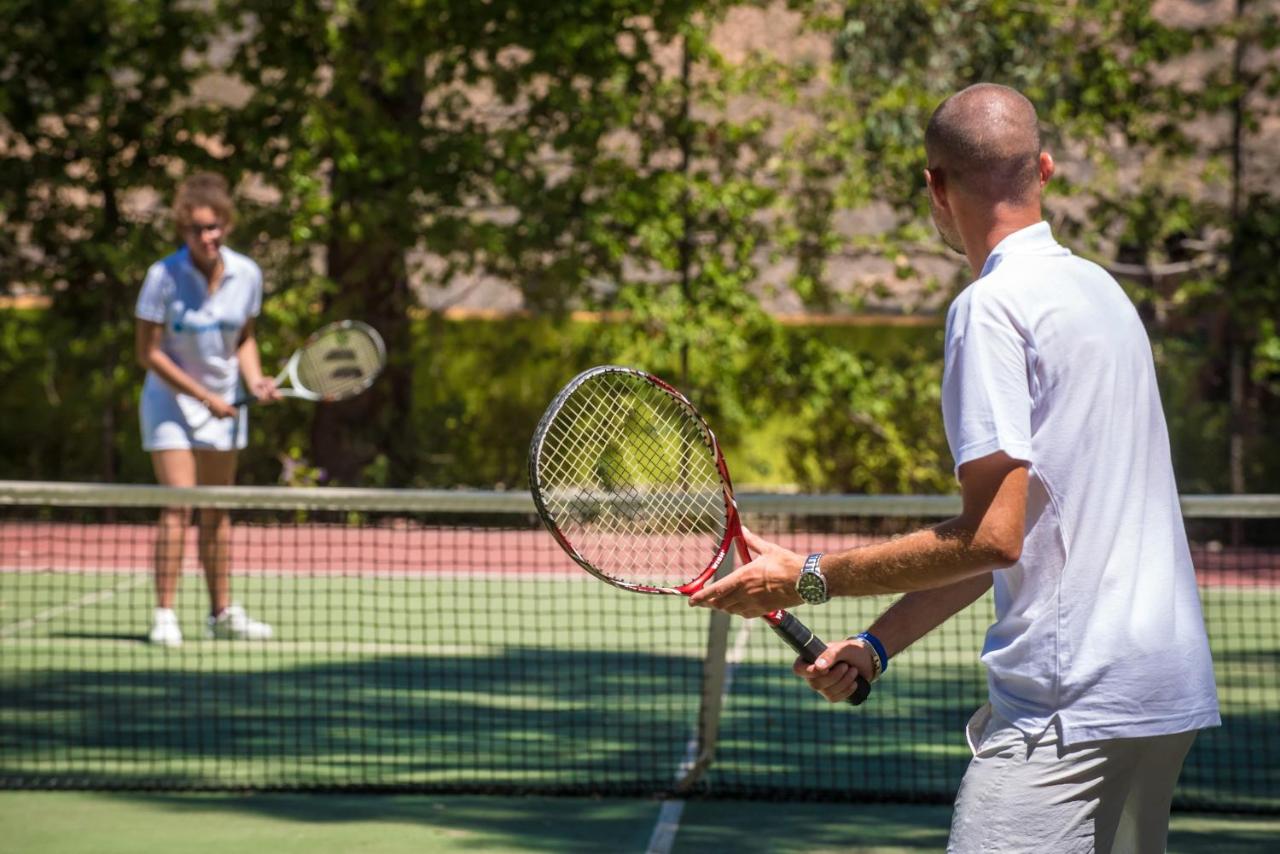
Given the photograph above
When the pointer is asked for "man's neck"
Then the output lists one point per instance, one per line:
(984, 235)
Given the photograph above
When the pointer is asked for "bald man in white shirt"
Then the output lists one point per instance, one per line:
(1099, 673)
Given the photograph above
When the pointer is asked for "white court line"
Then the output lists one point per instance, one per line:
(335, 647)
(664, 833)
(288, 646)
(570, 574)
(668, 824)
(86, 600)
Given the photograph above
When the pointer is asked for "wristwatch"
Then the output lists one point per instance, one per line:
(812, 584)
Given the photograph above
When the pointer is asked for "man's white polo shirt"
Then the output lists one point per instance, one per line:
(1099, 623)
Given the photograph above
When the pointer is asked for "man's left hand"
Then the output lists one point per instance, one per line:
(765, 584)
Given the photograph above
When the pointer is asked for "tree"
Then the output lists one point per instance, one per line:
(1142, 188)
(97, 119)
(599, 155)
(476, 134)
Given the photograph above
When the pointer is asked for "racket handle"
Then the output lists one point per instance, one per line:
(809, 646)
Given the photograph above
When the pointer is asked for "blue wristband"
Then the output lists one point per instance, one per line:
(878, 647)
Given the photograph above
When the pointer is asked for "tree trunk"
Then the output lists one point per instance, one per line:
(1237, 347)
(348, 436)
(371, 274)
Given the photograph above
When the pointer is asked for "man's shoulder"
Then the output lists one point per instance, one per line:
(995, 292)
(1021, 281)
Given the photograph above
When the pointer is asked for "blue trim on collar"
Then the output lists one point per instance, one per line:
(228, 263)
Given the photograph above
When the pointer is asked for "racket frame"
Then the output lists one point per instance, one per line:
(804, 642)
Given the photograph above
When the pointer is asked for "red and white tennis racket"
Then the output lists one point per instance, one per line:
(630, 481)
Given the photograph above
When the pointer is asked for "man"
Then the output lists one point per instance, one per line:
(1099, 672)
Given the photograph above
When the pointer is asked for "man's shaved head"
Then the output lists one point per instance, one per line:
(985, 140)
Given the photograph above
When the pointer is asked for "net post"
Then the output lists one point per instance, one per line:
(714, 681)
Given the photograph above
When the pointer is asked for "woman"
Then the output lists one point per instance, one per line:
(195, 338)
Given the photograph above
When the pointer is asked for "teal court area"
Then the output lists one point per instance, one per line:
(136, 823)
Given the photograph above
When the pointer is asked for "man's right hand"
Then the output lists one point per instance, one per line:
(833, 674)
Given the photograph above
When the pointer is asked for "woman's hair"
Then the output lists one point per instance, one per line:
(202, 190)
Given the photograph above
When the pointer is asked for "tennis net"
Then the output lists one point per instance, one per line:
(440, 641)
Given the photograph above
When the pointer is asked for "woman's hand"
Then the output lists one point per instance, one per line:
(264, 390)
(219, 407)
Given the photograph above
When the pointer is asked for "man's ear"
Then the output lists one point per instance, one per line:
(1046, 168)
(937, 188)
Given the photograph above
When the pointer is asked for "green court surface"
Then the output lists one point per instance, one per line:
(138, 823)
(378, 681)
(394, 681)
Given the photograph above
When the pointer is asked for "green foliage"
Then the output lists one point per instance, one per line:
(479, 133)
(94, 99)
(1118, 109)
(596, 154)
(885, 438)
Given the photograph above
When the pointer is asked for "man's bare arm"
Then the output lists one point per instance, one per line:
(906, 621)
(916, 614)
(987, 535)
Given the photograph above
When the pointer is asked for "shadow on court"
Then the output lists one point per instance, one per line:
(528, 720)
(139, 638)
(525, 720)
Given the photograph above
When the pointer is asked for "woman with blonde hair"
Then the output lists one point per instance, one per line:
(195, 337)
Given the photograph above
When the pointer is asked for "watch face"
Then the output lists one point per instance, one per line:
(811, 588)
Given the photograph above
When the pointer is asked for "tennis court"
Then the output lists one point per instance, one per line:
(146, 822)
(432, 647)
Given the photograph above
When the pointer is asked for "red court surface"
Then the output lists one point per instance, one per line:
(409, 549)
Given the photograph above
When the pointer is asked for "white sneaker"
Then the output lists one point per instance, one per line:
(234, 624)
(164, 628)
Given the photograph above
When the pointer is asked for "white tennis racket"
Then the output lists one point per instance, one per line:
(337, 362)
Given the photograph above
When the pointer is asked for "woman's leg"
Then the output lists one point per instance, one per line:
(216, 468)
(173, 468)
(226, 619)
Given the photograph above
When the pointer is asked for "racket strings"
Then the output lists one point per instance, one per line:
(666, 503)
(629, 475)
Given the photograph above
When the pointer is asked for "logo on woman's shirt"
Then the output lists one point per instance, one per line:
(194, 326)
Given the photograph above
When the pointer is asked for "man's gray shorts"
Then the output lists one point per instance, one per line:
(1023, 794)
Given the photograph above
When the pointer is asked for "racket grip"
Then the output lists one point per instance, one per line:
(809, 646)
